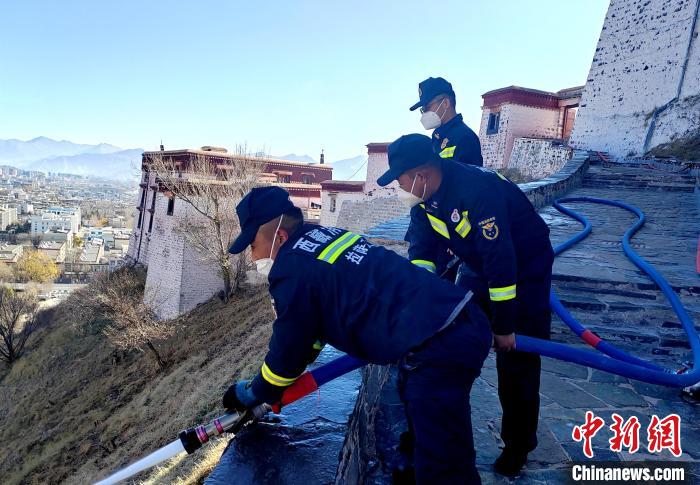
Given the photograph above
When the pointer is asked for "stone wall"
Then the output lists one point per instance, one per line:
(515, 121)
(359, 217)
(377, 164)
(538, 158)
(164, 258)
(178, 277)
(544, 192)
(643, 78)
(359, 448)
(330, 218)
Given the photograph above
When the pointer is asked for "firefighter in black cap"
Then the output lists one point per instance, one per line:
(489, 223)
(332, 286)
(452, 138)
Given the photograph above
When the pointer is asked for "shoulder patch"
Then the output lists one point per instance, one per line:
(444, 143)
(489, 228)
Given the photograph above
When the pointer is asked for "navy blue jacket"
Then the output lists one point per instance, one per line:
(331, 286)
(456, 141)
(489, 223)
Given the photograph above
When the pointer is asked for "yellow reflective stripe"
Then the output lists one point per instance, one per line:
(448, 152)
(336, 248)
(318, 345)
(502, 294)
(502, 177)
(439, 226)
(274, 379)
(464, 225)
(422, 263)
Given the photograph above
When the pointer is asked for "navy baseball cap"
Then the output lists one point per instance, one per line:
(258, 207)
(405, 153)
(430, 88)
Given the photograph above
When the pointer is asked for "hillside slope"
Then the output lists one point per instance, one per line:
(73, 409)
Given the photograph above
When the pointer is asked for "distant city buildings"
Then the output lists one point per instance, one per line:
(8, 216)
(10, 253)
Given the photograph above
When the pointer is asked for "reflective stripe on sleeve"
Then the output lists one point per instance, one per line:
(422, 263)
(448, 152)
(274, 379)
(502, 294)
(337, 247)
(318, 345)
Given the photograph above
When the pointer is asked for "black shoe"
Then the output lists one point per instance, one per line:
(510, 463)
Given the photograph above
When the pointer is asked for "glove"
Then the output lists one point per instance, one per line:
(239, 397)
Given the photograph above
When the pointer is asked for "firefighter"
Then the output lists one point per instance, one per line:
(452, 138)
(331, 286)
(489, 223)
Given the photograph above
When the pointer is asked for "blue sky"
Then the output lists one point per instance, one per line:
(283, 76)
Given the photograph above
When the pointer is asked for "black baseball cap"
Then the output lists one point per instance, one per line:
(405, 153)
(430, 88)
(258, 207)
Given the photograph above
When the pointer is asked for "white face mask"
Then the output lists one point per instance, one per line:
(264, 265)
(430, 119)
(408, 199)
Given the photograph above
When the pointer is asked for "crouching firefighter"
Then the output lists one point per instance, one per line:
(331, 286)
(489, 223)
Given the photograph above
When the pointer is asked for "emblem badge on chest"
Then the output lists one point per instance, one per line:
(455, 216)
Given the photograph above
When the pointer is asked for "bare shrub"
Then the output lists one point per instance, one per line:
(114, 304)
(18, 320)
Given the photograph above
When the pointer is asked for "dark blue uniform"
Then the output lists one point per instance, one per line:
(489, 223)
(331, 286)
(454, 140)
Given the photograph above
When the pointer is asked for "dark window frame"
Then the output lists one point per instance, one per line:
(171, 206)
(492, 126)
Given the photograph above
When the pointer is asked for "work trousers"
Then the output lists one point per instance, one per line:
(519, 372)
(435, 381)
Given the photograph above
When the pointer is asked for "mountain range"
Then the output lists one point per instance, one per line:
(48, 155)
(109, 161)
(354, 168)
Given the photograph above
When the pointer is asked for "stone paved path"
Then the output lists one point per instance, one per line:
(606, 292)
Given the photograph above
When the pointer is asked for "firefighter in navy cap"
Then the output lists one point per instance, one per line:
(332, 286)
(489, 223)
(452, 138)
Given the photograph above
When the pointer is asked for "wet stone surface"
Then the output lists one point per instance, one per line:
(299, 446)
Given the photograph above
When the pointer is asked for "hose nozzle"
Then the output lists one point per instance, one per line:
(193, 438)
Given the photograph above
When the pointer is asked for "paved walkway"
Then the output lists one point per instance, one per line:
(606, 292)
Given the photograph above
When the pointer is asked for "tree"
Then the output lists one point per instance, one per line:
(6, 273)
(18, 320)
(77, 241)
(35, 266)
(210, 193)
(117, 298)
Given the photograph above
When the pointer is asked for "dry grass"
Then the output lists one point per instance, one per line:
(74, 409)
(184, 470)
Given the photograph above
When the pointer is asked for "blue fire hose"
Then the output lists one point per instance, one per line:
(612, 359)
(608, 358)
